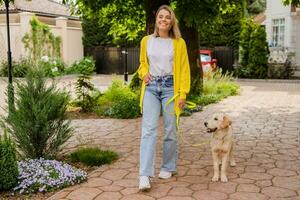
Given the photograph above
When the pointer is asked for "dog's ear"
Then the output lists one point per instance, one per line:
(226, 122)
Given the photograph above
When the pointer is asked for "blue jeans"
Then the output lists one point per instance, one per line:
(157, 93)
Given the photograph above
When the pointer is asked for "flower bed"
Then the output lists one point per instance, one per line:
(39, 175)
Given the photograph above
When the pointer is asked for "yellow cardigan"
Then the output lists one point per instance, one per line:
(181, 71)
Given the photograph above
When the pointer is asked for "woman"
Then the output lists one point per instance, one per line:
(165, 71)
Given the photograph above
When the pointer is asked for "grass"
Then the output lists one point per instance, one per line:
(216, 86)
(93, 156)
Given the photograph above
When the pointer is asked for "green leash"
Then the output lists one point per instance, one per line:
(190, 105)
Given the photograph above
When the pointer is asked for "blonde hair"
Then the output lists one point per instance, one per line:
(174, 31)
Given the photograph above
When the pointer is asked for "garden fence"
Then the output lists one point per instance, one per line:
(110, 60)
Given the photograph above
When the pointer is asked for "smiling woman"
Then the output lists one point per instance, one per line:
(165, 72)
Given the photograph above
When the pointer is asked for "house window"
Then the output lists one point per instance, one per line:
(278, 32)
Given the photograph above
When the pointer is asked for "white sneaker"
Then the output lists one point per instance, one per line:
(165, 175)
(144, 183)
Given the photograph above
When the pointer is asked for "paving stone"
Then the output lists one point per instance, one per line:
(256, 176)
(176, 198)
(209, 195)
(247, 188)
(159, 190)
(291, 183)
(180, 191)
(137, 197)
(195, 179)
(109, 195)
(242, 180)
(278, 192)
(254, 169)
(128, 191)
(197, 187)
(97, 182)
(59, 195)
(127, 182)
(227, 188)
(114, 174)
(178, 184)
(288, 165)
(196, 172)
(111, 188)
(263, 183)
(248, 196)
(84, 193)
(281, 172)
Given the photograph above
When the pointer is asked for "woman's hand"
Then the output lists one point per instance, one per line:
(181, 103)
(147, 78)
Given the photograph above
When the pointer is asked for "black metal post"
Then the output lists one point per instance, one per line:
(125, 53)
(10, 85)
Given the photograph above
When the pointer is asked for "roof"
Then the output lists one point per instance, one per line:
(260, 18)
(44, 7)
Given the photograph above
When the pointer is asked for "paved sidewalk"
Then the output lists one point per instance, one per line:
(266, 123)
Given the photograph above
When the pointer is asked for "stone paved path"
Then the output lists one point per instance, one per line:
(266, 122)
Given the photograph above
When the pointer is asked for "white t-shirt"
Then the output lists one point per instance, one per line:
(160, 52)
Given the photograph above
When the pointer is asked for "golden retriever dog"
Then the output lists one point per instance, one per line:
(222, 144)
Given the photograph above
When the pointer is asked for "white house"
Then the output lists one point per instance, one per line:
(283, 29)
(55, 15)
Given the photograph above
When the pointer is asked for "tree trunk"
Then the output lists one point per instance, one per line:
(151, 7)
(190, 35)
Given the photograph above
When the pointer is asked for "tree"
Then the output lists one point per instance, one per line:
(256, 6)
(291, 2)
(199, 12)
(121, 21)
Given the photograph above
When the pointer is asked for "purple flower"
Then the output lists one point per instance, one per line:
(39, 175)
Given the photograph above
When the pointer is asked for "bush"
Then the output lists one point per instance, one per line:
(205, 99)
(87, 94)
(19, 68)
(39, 124)
(258, 54)
(119, 102)
(253, 51)
(8, 163)
(51, 67)
(135, 83)
(93, 156)
(247, 27)
(85, 66)
(216, 86)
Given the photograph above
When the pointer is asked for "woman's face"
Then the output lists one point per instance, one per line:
(163, 20)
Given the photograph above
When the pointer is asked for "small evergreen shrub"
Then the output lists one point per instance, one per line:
(93, 156)
(39, 124)
(8, 163)
(119, 102)
(87, 94)
(135, 83)
(85, 66)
